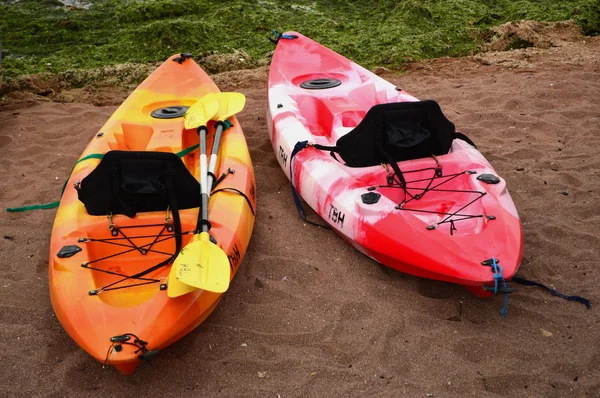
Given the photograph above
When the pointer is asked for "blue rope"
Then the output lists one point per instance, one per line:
(300, 145)
(54, 205)
(500, 286)
(579, 299)
(283, 35)
(499, 279)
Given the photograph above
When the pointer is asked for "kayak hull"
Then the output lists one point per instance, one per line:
(445, 235)
(90, 299)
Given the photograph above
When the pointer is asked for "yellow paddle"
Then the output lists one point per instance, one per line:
(195, 117)
(202, 264)
(201, 112)
(229, 105)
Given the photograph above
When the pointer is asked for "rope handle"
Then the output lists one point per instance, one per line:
(279, 36)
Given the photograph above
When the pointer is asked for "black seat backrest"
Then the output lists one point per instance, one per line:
(128, 182)
(395, 132)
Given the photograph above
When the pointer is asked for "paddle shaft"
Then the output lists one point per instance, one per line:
(203, 180)
(214, 153)
(207, 175)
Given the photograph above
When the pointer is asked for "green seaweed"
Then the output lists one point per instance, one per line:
(44, 36)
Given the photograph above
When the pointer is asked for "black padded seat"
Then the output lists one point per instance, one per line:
(395, 132)
(128, 182)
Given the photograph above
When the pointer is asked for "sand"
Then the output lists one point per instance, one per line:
(308, 315)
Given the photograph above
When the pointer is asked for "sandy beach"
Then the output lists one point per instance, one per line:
(307, 315)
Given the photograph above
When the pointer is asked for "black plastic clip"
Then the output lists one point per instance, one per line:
(370, 198)
(68, 251)
(182, 57)
(389, 179)
(489, 262)
(120, 338)
(489, 178)
(279, 36)
(501, 289)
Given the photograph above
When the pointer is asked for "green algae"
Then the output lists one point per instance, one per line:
(43, 36)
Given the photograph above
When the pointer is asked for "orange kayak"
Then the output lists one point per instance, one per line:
(108, 269)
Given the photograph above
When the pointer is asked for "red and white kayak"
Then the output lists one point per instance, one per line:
(388, 172)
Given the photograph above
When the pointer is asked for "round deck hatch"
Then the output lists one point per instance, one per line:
(320, 84)
(169, 112)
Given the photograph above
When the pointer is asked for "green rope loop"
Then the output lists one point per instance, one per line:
(53, 205)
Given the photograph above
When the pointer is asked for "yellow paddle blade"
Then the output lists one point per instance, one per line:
(201, 111)
(202, 264)
(229, 105)
(175, 287)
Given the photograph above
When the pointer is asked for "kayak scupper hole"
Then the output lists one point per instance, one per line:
(115, 268)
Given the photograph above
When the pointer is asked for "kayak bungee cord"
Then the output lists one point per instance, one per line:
(143, 249)
(123, 339)
(147, 248)
(429, 188)
(393, 183)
